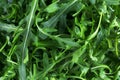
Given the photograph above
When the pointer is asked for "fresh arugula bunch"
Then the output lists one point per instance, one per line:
(59, 40)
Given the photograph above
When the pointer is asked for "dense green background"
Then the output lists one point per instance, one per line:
(59, 39)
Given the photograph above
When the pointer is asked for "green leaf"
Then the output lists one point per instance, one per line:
(93, 1)
(95, 33)
(53, 20)
(67, 41)
(52, 7)
(29, 24)
(45, 60)
(113, 2)
(22, 72)
(77, 54)
(26, 57)
(9, 27)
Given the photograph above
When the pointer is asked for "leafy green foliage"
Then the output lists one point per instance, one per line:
(59, 40)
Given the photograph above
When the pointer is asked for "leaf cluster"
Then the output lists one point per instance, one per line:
(59, 40)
